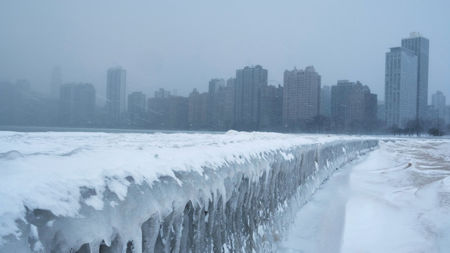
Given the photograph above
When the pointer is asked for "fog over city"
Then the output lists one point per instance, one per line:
(256, 126)
(181, 45)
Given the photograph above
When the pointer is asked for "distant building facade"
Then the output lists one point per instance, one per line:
(400, 87)
(249, 82)
(420, 46)
(438, 103)
(301, 96)
(116, 93)
(447, 116)
(162, 93)
(77, 104)
(15, 106)
(271, 107)
(168, 112)
(198, 110)
(55, 82)
(215, 102)
(354, 107)
(325, 101)
(381, 112)
(229, 104)
(137, 107)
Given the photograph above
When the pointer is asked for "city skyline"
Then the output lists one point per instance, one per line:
(83, 46)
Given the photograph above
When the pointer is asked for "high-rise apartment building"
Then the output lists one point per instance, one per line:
(353, 106)
(400, 87)
(271, 107)
(137, 107)
(168, 113)
(197, 110)
(228, 103)
(77, 104)
(325, 101)
(249, 81)
(136, 102)
(215, 101)
(420, 46)
(438, 103)
(116, 93)
(301, 96)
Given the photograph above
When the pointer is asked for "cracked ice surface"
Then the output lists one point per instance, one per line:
(397, 199)
(157, 192)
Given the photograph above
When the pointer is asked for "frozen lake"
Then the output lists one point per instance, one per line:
(396, 199)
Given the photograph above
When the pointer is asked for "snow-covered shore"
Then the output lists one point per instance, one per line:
(82, 182)
(397, 199)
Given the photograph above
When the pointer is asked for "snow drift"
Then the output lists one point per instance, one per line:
(89, 192)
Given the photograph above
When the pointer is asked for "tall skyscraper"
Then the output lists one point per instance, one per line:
(116, 92)
(55, 82)
(249, 81)
(420, 46)
(400, 87)
(301, 96)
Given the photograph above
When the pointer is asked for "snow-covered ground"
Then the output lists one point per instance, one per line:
(85, 180)
(397, 199)
(114, 188)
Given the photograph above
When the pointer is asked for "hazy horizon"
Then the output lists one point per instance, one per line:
(182, 45)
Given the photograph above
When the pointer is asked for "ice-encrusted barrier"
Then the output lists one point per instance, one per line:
(240, 206)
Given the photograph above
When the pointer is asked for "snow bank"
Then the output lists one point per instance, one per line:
(395, 200)
(84, 191)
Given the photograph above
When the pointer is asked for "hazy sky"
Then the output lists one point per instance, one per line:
(182, 44)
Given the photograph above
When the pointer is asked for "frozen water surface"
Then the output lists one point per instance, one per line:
(397, 199)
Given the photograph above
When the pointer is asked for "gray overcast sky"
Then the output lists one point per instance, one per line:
(182, 44)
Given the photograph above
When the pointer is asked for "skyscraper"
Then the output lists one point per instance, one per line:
(301, 96)
(116, 92)
(400, 87)
(420, 46)
(249, 81)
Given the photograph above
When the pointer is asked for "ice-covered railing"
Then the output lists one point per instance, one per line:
(90, 192)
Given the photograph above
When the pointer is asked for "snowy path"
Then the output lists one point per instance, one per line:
(397, 199)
